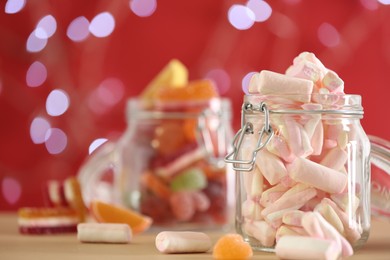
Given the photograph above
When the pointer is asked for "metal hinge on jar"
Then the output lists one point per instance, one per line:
(265, 133)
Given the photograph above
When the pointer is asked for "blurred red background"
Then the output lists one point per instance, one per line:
(96, 74)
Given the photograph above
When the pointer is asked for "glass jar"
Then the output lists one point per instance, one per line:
(299, 153)
(167, 165)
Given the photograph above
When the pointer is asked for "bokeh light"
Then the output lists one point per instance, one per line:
(35, 44)
(221, 79)
(38, 129)
(56, 141)
(282, 26)
(328, 35)
(57, 102)
(36, 74)
(385, 2)
(261, 9)
(111, 91)
(143, 8)
(78, 29)
(107, 94)
(246, 80)
(14, 6)
(370, 4)
(241, 17)
(102, 25)
(11, 190)
(96, 144)
(46, 27)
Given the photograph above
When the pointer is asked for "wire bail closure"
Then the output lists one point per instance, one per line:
(247, 128)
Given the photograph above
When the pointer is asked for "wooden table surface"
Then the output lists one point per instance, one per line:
(58, 247)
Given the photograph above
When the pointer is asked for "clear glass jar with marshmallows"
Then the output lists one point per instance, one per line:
(294, 156)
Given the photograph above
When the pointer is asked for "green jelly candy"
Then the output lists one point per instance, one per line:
(189, 180)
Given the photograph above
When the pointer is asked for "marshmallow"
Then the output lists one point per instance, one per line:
(268, 83)
(333, 83)
(301, 247)
(104, 233)
(317, 140)
(270, 166)
(298, 141)
(270, 195)
(279, 147)
(350, 225)
(262, 232)
(305, 70)
(257, 183)
(331, 216)
(321, 177)
(293, 201)
(251, 210)
(169, 242)
(293, 218)
(347, 202)
(335, 158)
(331, 233)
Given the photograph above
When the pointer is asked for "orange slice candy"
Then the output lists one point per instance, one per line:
(109, 213)
(197, 90)
(232, 246)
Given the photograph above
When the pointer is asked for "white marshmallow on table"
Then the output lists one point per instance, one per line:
(318, 176)
(182, 242)
(271, 167)
(104, 233)
(268, 83)
(302, 247)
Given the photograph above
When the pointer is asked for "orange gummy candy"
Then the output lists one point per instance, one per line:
(195, 91)
(232, 246)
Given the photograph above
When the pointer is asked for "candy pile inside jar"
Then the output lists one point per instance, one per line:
(179, 183)
(298, 196)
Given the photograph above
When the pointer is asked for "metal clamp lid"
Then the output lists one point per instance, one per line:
(247, 128)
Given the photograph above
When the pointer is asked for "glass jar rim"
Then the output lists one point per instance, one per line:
(139, 109)
(331, 103)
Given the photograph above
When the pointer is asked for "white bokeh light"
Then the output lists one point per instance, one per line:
(246, 80)
(14, 6)
(96, 144)
(261, 9)
(46, 27)
(221, 79)
(35, 44)
(241, 17)
(102, 25)
(56, 140)
(384, 2)
(36, 74)
(57, 102)
(78, 29)
(370, 4)
(328, 35)
(38, 129)
(143, 8)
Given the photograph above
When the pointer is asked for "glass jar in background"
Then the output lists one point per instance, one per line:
(295, 154)
(168, 164)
